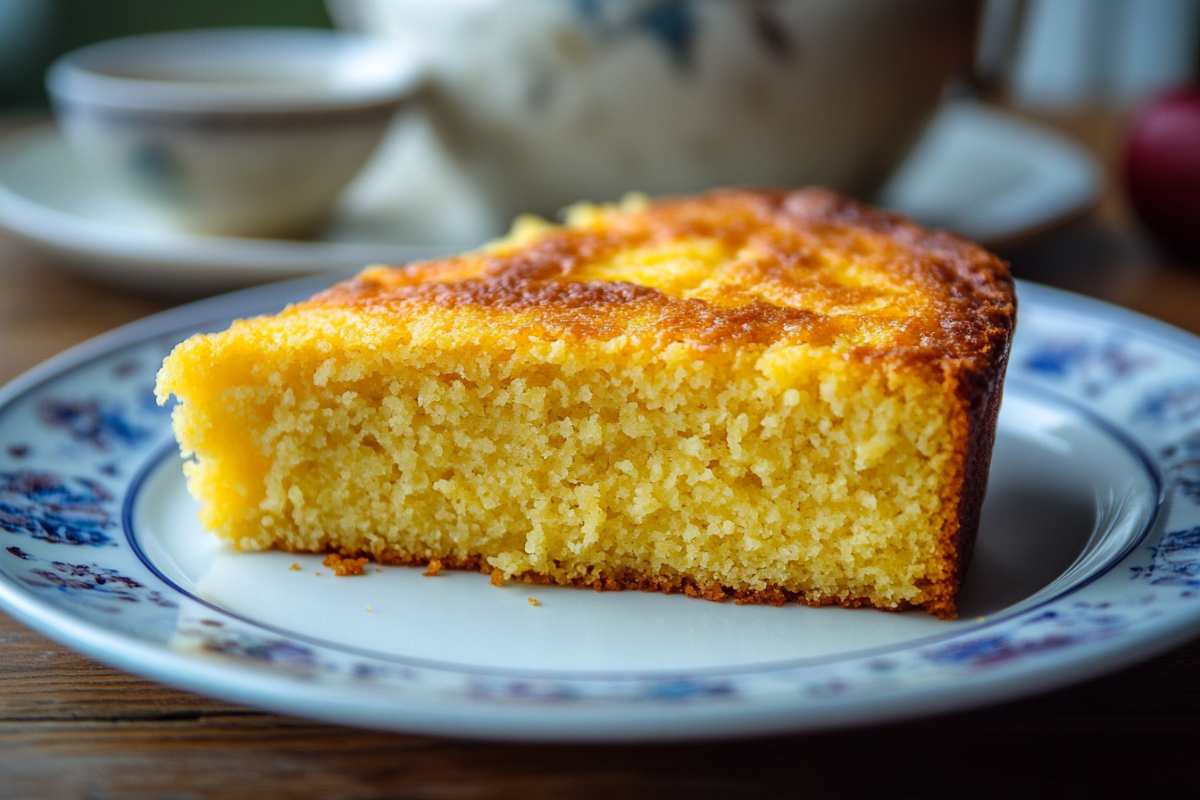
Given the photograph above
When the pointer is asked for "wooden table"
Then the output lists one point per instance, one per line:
(70, 727)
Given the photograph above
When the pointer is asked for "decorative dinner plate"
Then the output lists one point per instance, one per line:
(977, 170)
(1088, 559)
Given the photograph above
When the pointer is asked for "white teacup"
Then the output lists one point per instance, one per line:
(241, 132)
(538, 103)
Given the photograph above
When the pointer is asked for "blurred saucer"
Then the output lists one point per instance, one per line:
(977, 171)
(49, 198)
(993, 177)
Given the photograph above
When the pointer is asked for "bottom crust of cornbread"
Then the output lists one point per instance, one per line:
(629, 580)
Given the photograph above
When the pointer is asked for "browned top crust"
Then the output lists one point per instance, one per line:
(806, 266)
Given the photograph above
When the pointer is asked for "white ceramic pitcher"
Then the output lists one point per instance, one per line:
(532, 104)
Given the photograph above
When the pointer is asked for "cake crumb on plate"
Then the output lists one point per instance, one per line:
(433, 568)
(345, 567)
(295, 567)
(533, 601)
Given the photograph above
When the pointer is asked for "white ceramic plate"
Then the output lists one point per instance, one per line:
(978, 171)
(1088, 559)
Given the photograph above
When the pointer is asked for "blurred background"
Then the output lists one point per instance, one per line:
(1037, 127)
(34, 32)
(1069, 52)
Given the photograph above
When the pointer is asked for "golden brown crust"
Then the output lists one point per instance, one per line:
(967, 291)
(981, 394)
(978, 387)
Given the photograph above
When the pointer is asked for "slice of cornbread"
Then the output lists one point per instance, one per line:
(755, 395)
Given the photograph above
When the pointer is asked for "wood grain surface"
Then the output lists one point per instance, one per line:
(70, 727)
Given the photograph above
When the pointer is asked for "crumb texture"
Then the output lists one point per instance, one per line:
(761, 396)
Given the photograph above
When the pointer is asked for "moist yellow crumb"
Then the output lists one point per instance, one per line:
(294, 567)
(533, 601)
(433, 568)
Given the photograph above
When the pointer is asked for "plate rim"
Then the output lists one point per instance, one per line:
(614, 721)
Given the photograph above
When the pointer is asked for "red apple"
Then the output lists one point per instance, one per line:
(1162, 169)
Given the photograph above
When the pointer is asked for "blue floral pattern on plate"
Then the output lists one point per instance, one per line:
(55, 508)
(74, 434)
